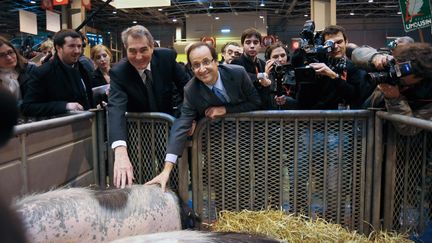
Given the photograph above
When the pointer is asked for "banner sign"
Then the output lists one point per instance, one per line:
(416, 14)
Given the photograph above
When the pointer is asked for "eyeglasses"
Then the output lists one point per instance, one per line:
(7, 53)
(205, 63)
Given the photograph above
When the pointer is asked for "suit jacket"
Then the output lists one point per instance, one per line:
(53, 85)
(198, 97)
(129, 93)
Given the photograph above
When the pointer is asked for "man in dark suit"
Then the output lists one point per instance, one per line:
(214, 91)
(62, 84)
(144, 82)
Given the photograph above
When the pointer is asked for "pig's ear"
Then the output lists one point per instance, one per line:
(8, 114)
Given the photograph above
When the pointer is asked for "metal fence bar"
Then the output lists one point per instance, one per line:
(377, 171)
(416, 122)
(390, 182)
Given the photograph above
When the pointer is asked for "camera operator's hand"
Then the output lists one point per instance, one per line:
(380, 61)
(280, 100)
(323, 69)
(269, 66)
(389, 91)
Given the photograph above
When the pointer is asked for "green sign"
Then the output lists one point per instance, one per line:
(416, 14)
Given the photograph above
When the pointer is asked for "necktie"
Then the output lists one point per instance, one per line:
(219, 94)
(150, 95)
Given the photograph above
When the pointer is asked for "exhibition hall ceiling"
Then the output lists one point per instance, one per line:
(277, 12)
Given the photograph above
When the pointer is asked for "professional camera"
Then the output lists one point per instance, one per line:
(312, 49)
(312, 43)
(393, 73)
(278, 72)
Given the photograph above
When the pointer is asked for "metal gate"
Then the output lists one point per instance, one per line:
(312, 162)
(147, 140)
(407, 190)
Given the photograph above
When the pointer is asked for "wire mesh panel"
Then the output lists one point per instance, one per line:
(311, 163)
(147, 141)
(408, 208)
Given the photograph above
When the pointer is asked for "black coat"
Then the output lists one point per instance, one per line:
(24, 78)
(98, 79)
(252, 67)
(328, 93)
(55, 84)
(129, 93)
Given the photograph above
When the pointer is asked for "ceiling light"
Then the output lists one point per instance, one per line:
(174, 20)
(32, 2)
(114, 12)
(159, 9)
(262, 4)
(370, 1)
(399, 12)
(225, 30)
(306, 15)
(261, 17)
(352, 13)
(134, 22)
(210, 6)
(217, 18)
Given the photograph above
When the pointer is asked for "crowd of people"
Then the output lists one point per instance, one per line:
(148, 78)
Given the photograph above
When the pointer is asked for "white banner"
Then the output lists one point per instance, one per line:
(52, 21)
(140, 3)
(28, 22)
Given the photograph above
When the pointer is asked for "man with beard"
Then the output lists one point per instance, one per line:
(62, 84)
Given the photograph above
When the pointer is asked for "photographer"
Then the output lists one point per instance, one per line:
(283, 82)
(338, 84)
(411, 93)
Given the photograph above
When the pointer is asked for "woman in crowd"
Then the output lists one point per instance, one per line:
(276, 56)
(101, 56)
(47, 50)
(15, 70)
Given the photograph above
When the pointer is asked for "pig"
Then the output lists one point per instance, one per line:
(197, 237)
(84, 215)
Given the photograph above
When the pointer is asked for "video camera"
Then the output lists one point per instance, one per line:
(393, 73)
(312, 43)
(311, 50)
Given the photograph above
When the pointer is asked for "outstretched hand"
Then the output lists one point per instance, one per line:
(163, 177)
(123, 171)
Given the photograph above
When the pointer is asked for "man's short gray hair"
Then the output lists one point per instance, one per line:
(137, 31)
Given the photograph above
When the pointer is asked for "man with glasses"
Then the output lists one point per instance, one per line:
(230, 51)
(214, 91)
(142, 82)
